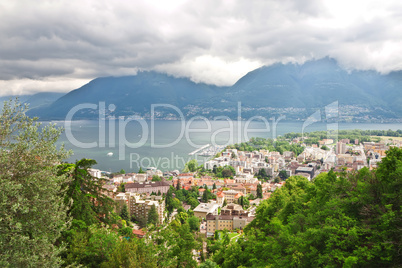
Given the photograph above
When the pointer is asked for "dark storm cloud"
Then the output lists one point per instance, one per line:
(209, 41)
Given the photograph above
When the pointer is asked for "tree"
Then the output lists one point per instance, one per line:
(225, 203)
(153, 216)
(205, 196)
(192, 202)
(184, 246)
(208, 264)
(124, 213)
(259, 191)
(90, 203)
(141, 171)
(178, 185)
(214, 186)
(324, 147)
(182, 217)
(191, 165)
(156, 178)
(32, 209)
(194, 223)
(121, 187)
(226, 173)
(283, 174)
(142, 221)
(122, 171)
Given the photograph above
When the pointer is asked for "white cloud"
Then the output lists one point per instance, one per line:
(209, 41)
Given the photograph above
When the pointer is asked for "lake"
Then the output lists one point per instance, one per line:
(127, 145)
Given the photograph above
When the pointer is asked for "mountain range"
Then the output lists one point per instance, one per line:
(269, 90)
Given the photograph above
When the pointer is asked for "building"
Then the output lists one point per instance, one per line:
(95, 173)
(230, 196)
(203, 209)
(307, 170)
(218, 222)
(340, 147)
(147, 187)
(232, 217)
(138, 206)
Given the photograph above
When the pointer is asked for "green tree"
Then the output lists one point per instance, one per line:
(156, 178)
(124, 214)
(324, 147)
(142, 221)
(32, 211)
(194, 223)
(192, 202)
(90, 203)
(122, 171)
(191, 166)
(121, 188)
(132, 253)
(259, 191)
(283, 174)
(140, 171)
(208, 264)
(91, 247)
(214, 186)
(184, 246)
(153, 216)
(225, 203)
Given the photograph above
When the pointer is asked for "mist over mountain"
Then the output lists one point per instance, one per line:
(311, 85)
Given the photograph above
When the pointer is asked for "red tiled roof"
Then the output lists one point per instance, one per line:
(139, 232)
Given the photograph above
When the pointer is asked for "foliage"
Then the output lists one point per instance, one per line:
(153, 216)
(32, 211)
(124, 214)
(259, 191)
(90, 203)
(208, 264)
(133, 253)
(283, 174)
(122, 187)
(140, 171)
(122, 171)
(194, 223)
(191, 166)
(224, 172)
(336, 220)
(280, 145)
(207, 195)
(324, 147)
(175, 246)
(156, 178)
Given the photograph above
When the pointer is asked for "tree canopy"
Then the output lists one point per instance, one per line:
(338, 219)
(32, 211)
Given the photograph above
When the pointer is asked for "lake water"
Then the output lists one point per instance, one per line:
(166, 144)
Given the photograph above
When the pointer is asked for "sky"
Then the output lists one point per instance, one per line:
(59, 45)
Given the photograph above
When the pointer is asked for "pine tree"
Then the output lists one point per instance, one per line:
(124, 213)
(90, 203)
(259, 191)
(153, 216)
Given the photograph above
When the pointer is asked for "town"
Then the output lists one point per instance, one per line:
(224, 192)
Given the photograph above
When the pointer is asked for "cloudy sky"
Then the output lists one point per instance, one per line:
(61, 45)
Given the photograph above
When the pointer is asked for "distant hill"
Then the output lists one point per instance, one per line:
(37, 100)
(313, 84)
(131, 94)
